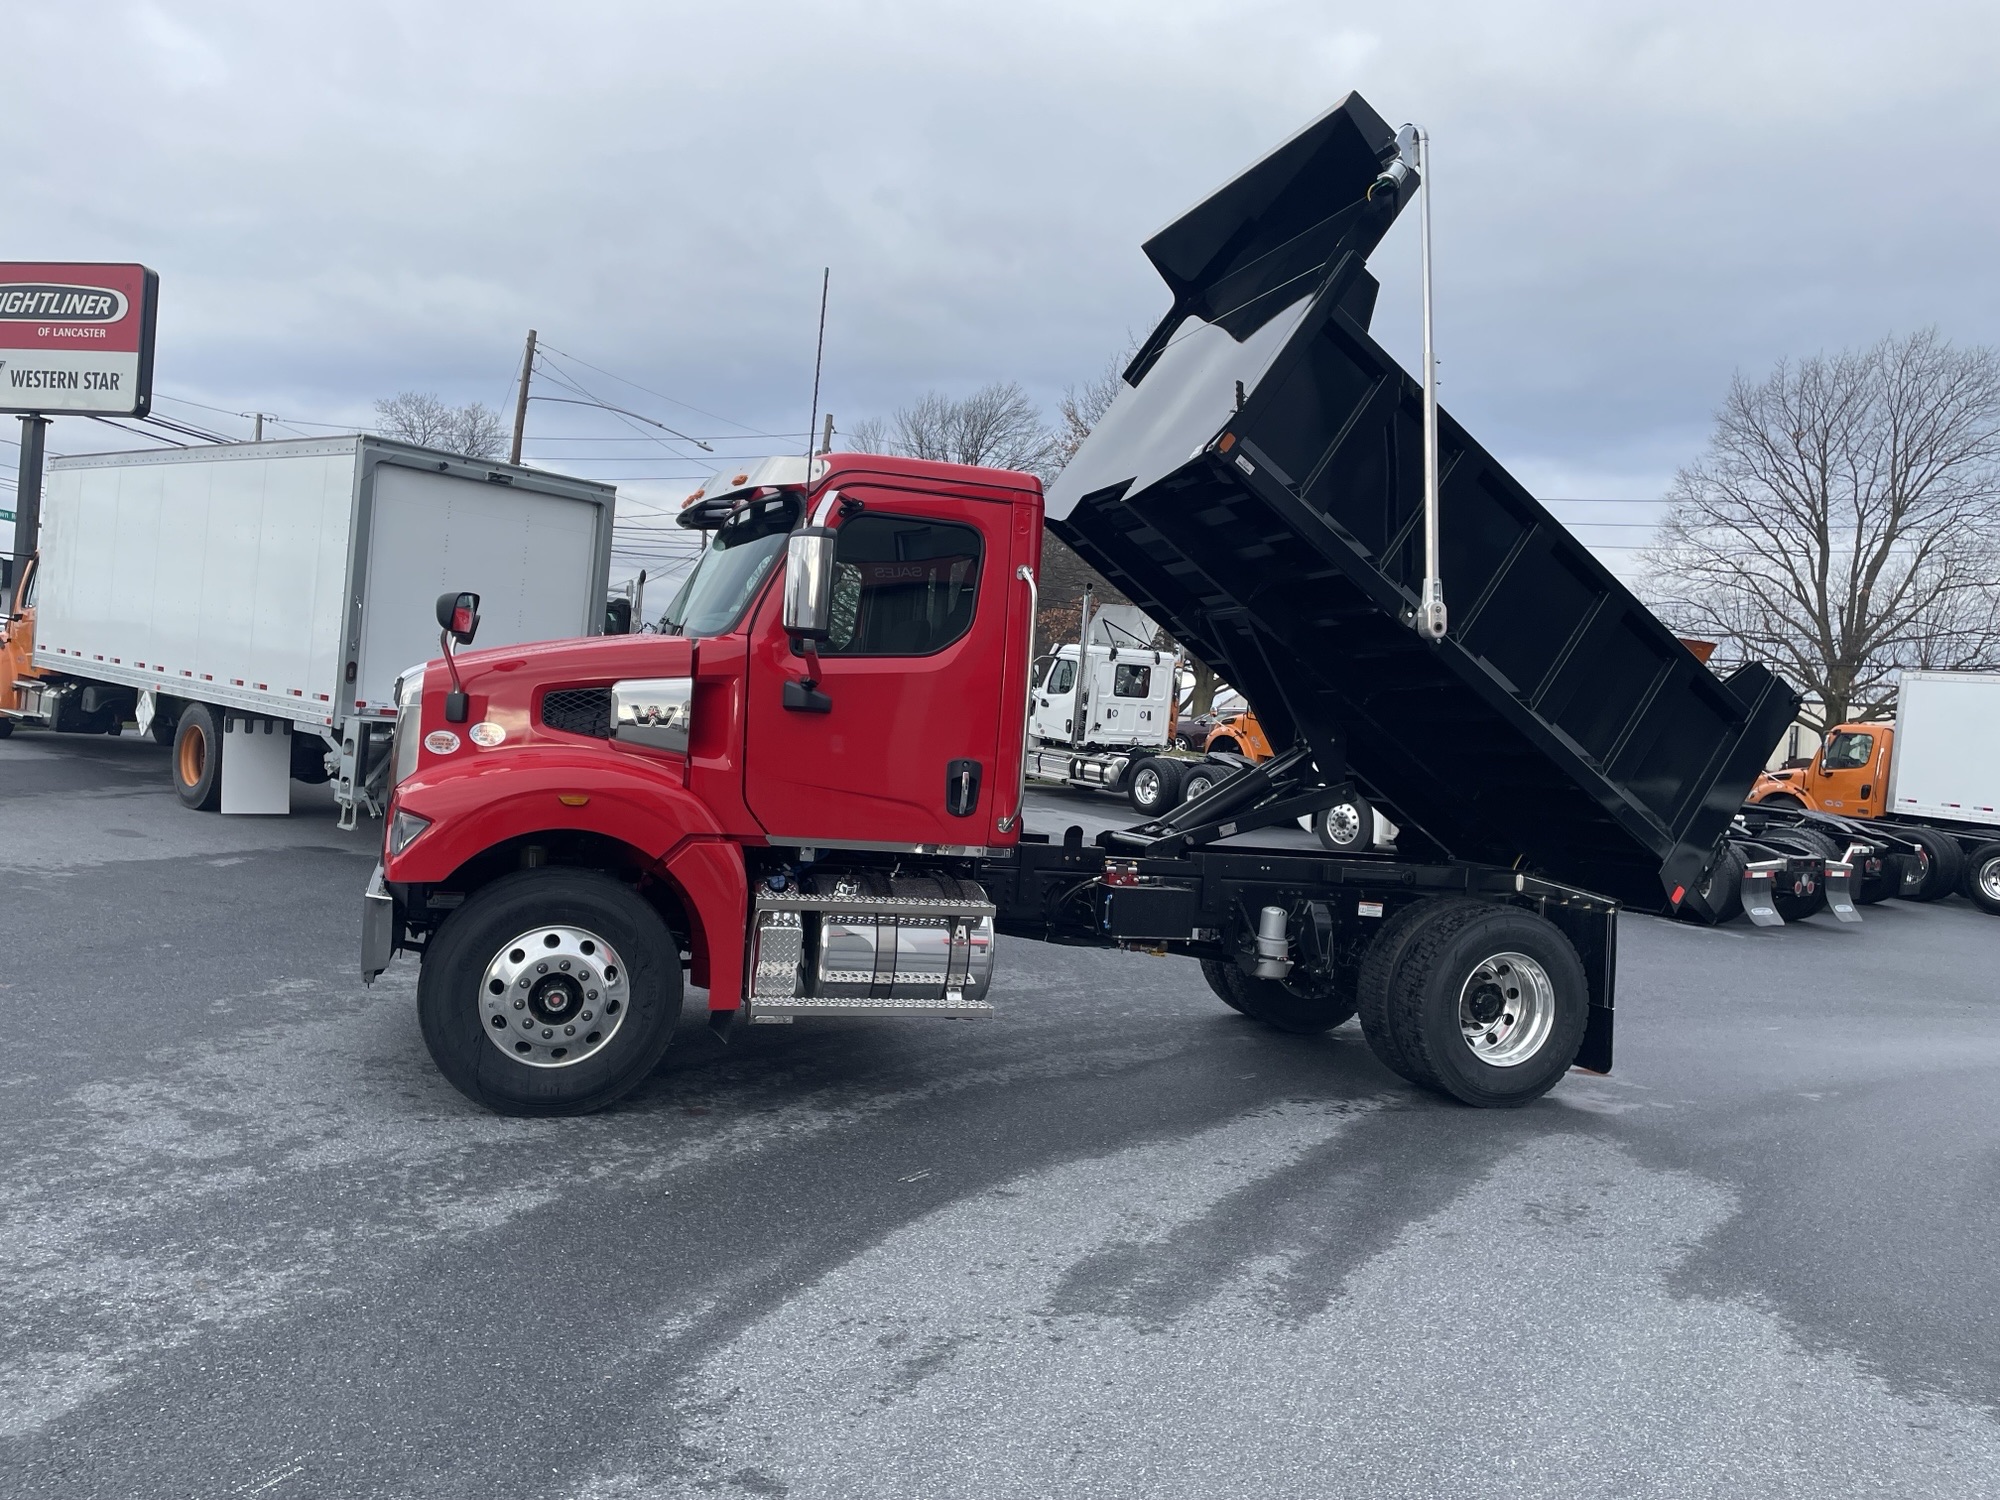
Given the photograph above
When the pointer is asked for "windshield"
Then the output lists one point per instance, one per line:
(732, 569)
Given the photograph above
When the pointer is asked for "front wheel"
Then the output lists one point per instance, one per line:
(1485, 1003)
(550, 992)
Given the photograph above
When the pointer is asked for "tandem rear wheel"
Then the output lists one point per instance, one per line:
(1302, 1009)
(1485, 1003)
(550, 992)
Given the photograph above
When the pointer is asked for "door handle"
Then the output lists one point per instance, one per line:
(961, 787)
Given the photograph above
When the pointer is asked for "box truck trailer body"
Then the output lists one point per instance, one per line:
(287, 584)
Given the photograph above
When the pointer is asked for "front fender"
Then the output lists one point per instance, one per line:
(475, 801)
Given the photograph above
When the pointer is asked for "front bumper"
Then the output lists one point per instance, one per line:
(381, 924)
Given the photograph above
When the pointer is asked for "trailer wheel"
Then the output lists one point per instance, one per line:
(198, 758)
(550, 992)
(1198, 782)
(1981, 881)
(1947, 864)
(164, 724)
(1217, 974)
(1155, 786)
(1487, 1003)
(1347, 826)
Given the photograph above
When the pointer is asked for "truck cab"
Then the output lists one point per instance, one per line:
(19, 675)
(1848, 775)
(1124, 695)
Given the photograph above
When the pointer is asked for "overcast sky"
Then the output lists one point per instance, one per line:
(346, 200)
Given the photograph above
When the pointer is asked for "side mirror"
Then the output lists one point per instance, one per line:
(618, 617)
(458, 616)
(809, 584)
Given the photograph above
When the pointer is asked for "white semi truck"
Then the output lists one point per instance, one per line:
(252, 604)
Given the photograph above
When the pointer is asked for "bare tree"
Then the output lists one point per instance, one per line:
(473, 429)
(997, 427)
(870, 435)
(1082, 407)
(1841, 525)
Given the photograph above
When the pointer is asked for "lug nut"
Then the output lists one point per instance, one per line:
(520, 1004)
(547, 1032)
(585, 1016)
(569, 1031)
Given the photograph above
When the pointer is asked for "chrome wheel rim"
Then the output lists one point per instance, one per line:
(554, 996)
(1198, 786)
(1343, 824)
(1989, 878)
(1506, 1009)
(1147, 785)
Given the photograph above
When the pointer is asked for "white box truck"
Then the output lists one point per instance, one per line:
(252, 604)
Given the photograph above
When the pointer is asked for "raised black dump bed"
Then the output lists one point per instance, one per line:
(1258, 488)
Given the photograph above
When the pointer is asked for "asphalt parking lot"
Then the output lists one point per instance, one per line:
(1119, 1241)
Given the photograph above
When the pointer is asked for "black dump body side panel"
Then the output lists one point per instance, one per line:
(1258, 489)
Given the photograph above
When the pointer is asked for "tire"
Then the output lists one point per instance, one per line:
(116, 727)
(1947, 864)
(1884, 883)
(1981, 880)
(1487, 1003)
(198, 758)
(1154, 787)
(309, 759)
(1378, 971)
(1199, 782)
(163, 727)
(6, 728)
(589, 914)
(1347, 827)
(1795, 905)
(1302, 1012)
(1217, 974)
(1719, 894)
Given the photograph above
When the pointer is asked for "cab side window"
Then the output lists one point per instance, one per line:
(903, 585)
(1062, 677)
(1132, 682)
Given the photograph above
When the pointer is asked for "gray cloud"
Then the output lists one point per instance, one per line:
(347, 200)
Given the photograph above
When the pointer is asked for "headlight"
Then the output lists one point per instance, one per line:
(404, 829)
(409, 724)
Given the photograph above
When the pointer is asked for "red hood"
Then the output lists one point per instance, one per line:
(586, 659)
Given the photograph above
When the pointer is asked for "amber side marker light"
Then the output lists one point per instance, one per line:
(572, 799)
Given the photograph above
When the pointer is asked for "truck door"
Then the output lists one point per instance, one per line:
(906, 751)
(1846, 767)
(1055, 702)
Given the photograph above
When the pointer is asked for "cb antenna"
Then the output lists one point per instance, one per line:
(819, 353)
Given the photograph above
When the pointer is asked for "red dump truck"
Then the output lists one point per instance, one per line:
(808, 797)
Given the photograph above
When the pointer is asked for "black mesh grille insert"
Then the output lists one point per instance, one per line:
(579, 711)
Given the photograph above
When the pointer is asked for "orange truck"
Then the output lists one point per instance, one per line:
(1930, 776)
(1239, 734)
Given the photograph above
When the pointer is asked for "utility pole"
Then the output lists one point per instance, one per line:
(260, 427)
(521, 401)
(826, 443)
(28, 499)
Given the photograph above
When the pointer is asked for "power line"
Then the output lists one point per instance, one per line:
(670, 400)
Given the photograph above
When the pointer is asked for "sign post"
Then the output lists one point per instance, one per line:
(76, 339)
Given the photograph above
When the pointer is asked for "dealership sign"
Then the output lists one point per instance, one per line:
(77, 338)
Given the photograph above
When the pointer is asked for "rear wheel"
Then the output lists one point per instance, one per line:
(1155, 786)
(1947, 863)
(1217, 974)
(1718, 895)
(550, 992)
(1198, 783)
(198, 758)
(1346, 827)
(1486, 1003)
(1981, 881)
(1304, 1010)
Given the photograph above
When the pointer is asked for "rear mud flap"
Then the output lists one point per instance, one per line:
(1757, 887)
(1840, 890)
